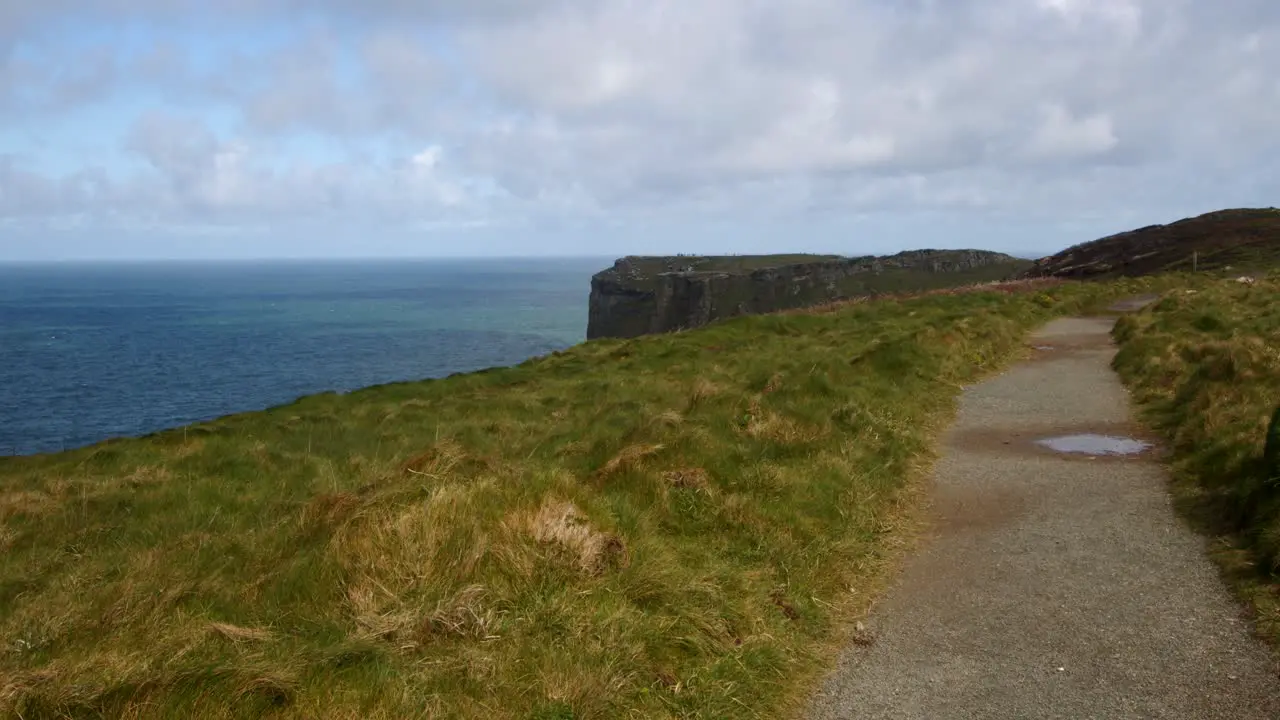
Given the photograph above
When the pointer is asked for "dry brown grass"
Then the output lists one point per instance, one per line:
(437, 462)
(774, 384)
(27, 502)
(463, 615)
(768, 425)
(687, 478)
(669, 417)
(329, 510)
(703, 389)
(561, 524)
(147, 475)
(630, 457)
(237, 634)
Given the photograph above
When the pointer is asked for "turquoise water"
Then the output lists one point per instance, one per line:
(89, 352)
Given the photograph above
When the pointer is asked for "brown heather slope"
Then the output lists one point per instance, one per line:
(1228, 240)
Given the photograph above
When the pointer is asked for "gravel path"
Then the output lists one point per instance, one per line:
(1054, 586)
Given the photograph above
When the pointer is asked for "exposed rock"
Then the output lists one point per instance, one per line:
(642, 295)
(1220, 240)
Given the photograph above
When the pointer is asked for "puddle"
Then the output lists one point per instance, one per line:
(1092, 444)
(1043, 347)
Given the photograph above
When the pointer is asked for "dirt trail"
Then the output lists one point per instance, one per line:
(1054, 586)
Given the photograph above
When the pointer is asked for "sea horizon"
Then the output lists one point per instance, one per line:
(94, 350)
(10, 262)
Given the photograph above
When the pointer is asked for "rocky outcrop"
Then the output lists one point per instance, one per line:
(642, 295)
(1242, 239)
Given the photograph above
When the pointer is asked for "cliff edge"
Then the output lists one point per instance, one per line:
(643, 295)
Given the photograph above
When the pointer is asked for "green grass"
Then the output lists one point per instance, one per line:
(1204, 365)
(671, 526)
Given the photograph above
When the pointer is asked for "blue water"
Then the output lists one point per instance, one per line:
(89, 352)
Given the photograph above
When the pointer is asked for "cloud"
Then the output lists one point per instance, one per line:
(852, 87)
(191, 171)
(446, 114)
(1124, 16)
(1062, 136)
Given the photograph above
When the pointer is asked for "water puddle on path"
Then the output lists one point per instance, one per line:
(1092, 444)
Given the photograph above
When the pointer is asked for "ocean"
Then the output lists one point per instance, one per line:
(96, 351)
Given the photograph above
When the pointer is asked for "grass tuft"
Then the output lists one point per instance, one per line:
(561, 524)
(687, 478)
(237, 634)
(627, 458)
(462, 616)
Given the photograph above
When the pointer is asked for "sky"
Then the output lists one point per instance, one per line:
(391, 128)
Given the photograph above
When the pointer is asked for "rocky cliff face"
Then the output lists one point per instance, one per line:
(642, 295)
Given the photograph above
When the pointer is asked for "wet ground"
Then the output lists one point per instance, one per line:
(1133, 304)
(1057, 584)
(1095, 445)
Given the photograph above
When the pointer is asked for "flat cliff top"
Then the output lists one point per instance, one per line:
(649, 265)
(643, 267)
(1240, 240)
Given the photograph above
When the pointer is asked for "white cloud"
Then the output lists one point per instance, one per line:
(1122, 15)
(425, 183)
(811, 138)
(1060, 135)
(449, 114)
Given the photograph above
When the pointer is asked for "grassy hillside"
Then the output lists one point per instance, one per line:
(672, 526)
(1204, 365)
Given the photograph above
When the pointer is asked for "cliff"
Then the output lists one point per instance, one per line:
(1239, 240)
(642, 295)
